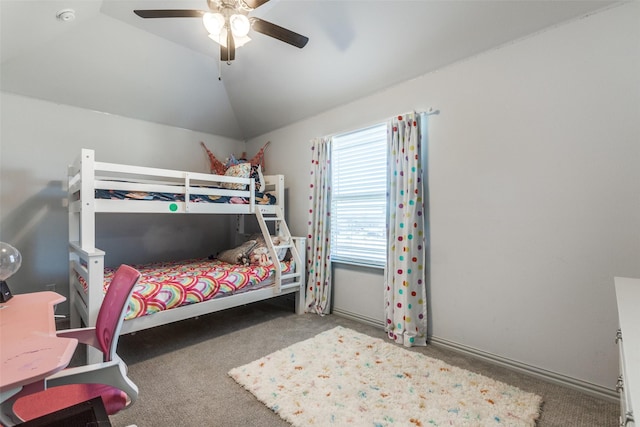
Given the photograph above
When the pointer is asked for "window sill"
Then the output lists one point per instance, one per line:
(358, 264)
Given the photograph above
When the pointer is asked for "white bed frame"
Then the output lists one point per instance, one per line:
(86, 175)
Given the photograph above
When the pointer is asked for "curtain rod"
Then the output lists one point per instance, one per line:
(429, 112)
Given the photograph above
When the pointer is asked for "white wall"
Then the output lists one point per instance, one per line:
(39, 139)
(534, 191)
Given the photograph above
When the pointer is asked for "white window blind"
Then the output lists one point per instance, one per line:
(359, 197)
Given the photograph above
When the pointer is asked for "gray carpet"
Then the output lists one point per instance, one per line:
(181, 370)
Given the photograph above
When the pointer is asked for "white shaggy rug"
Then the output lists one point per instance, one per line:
(342, 377)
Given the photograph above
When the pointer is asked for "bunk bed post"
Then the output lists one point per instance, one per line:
(84, 258)
(280, 198)
(300, 245)
(74, 236)
(252, 195)
(87, 210)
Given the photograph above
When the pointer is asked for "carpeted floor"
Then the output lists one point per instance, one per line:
(181, 370)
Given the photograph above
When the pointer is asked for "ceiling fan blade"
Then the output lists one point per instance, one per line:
(254, 4)
(170, 13)
(277, 32)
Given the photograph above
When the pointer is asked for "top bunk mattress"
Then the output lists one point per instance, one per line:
(260, 198)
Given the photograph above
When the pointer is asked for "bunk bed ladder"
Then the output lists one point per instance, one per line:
(276, 217)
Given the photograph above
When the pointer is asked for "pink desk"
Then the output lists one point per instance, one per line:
(29, 348)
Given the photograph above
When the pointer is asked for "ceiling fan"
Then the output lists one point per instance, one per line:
(228, 24)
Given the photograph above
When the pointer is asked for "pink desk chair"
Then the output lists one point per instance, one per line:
(107, 379)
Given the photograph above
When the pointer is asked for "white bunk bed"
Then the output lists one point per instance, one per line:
(86, 273)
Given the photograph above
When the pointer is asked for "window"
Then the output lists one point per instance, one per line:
(359, 197)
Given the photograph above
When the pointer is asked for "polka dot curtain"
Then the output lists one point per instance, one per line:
(405, 289)
(318, 295)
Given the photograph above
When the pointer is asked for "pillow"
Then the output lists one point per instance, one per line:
(239, 255)
(241, 170)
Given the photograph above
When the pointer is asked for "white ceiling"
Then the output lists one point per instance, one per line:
(166, 70)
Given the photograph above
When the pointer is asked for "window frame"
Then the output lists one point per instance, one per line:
(371, 185)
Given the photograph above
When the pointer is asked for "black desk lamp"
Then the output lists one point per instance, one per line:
(10, 261)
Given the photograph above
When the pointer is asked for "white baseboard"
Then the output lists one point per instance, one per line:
(358, 317)
(553, 377)
(592, 389)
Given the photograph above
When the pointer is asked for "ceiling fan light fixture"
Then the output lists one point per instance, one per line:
(214, 23)
(221, 39)
(228, 24)
(239, 25)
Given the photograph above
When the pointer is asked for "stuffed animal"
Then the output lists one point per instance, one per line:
(260, 256)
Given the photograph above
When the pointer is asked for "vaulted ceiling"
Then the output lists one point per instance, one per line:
(167, 71)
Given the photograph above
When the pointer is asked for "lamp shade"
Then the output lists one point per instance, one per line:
(239, 25)
(213, 22)
(10, 261)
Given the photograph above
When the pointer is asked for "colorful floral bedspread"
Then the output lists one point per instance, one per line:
(165, 285)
